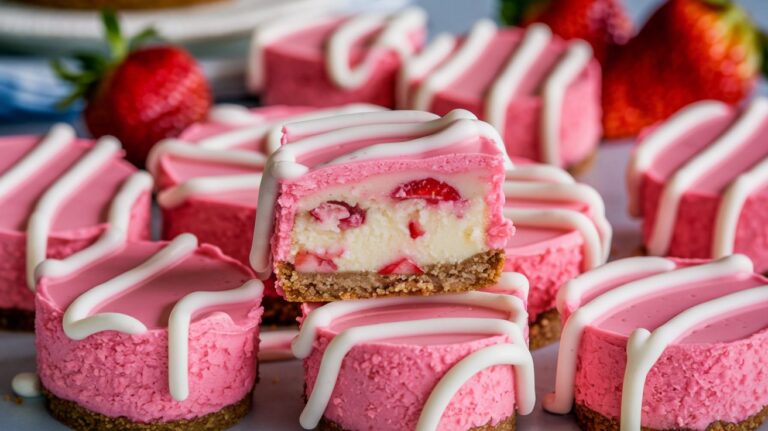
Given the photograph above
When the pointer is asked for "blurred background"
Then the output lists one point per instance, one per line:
(216, 34)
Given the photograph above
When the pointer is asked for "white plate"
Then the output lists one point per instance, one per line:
(28, 27)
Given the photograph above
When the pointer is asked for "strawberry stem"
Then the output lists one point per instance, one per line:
(516, 12)
(117, 45)
(92, 67)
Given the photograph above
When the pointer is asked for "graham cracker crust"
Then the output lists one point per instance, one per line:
(508, 424)
(545, 330)
(590, 420)
(583, 166)
(16, 319)
(279, 312)
(475, 272)
(79, 418)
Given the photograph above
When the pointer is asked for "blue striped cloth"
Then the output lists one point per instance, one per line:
(28, 88)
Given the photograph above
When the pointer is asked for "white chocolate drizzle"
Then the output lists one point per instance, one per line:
(479, 37)
(546, 183)
(115, 235)
(79, 322)
(735, 194)
(447, 65)
(514, 352)
(394, 35)
(222, 148)
(666, 134)
(644, 348)
(650, 276)
(450, 130)
(506, 86)
(26, 385)
(44, 212)
(454, 379)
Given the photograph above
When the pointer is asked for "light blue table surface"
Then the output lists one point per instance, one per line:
(278, 396)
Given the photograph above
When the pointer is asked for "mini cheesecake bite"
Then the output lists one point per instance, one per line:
(699, 181)
(154, 336)
(540, 92)
(448, 362)
(381, 204)
(333, 60)
(208, 178)
(65, 198)
(560, 232)
(664, 344)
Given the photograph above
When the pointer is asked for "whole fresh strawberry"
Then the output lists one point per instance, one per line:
(602, 23)
(140, 95)
(689, 50)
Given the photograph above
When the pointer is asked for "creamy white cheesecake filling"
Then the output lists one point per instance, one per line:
(447, 232)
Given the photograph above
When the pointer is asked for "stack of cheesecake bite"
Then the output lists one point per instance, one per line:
(389, 227)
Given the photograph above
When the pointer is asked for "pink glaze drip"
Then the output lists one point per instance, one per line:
(118, 374)
(387, 382)
(81, 220)
(716, 372)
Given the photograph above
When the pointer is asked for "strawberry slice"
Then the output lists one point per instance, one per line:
(344, 215)
(401, 266)
(415, 229)
(431, 190)
(311, 262)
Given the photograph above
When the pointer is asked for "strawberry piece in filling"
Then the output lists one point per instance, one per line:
(343, 215)
(401, 266)
(429, 189)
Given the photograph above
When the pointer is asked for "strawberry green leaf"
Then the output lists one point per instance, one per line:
(114, 35)
(63, 71)
(515, 12)
(142, 38)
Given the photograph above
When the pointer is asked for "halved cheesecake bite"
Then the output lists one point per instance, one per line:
(209, 176)
(540, 92)
(381, 204)
(330, 60)
(453, 362)
(700, 183)
(152, 336)
(664, 344)
(66, 198)
(560, 231)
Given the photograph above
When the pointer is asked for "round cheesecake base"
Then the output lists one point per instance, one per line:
(78, 417)
(508, 424)
(545, 330)
(590, 420)
(279, 312)
(16, 319)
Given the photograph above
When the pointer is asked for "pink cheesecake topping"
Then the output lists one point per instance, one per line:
(700, 181)
(65, 198)
(411, 179)
(491, 72)
(221, 160)
(146, 303)
(553, 215)
(463, 338)
(350, 47)
(659, 311)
